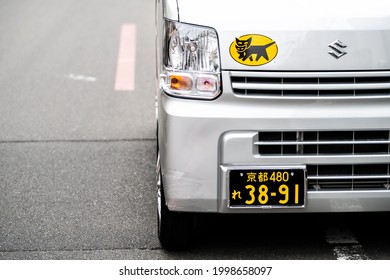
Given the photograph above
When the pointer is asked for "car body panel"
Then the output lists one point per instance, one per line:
(302, 29)
(199, 141)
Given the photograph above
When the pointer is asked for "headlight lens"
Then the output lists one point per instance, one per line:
(191, 61)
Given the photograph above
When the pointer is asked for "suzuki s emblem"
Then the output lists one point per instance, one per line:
(337, 49)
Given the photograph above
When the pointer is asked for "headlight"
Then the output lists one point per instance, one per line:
(191, 61)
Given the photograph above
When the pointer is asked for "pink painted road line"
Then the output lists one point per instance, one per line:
(125, 71)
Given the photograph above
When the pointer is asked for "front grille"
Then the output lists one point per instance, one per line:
(346, 177)
(324, 143)
(311, 84)
(366, 155)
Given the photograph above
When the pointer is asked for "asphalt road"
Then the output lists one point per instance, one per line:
(77, 171)
(77, 157)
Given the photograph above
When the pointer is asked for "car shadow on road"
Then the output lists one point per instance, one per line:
(279, 236)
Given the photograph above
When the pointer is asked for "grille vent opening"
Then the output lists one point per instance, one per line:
(311, 84)
(323, 143)
(316, 144)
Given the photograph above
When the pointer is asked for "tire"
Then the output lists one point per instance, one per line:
(174, 228)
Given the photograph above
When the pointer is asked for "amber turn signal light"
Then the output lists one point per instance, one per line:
(180, 82)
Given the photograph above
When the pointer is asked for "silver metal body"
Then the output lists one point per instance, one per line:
(328, 86)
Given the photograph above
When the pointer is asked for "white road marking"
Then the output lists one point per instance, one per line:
(350, 252)
(345, 245)
(82, 78)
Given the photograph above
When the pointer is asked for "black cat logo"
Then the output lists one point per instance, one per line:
(253, 50)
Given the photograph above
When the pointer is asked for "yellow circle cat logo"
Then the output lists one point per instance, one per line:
(253, 49)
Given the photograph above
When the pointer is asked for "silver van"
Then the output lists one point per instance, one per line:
(270, 107)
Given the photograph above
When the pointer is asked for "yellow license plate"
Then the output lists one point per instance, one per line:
(267, 187)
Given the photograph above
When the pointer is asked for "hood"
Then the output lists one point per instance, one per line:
(289, 35)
